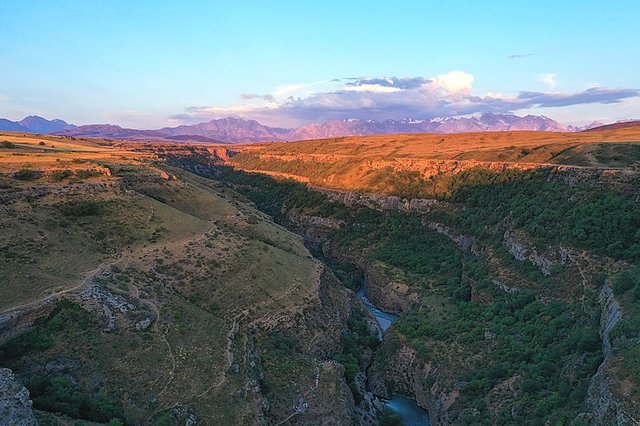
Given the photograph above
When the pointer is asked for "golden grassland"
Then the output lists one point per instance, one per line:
(378, 163)
(441, 146)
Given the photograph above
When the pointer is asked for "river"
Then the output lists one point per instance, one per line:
(408, 409)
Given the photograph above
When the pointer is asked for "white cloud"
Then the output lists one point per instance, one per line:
(298, 89)
(550, 79)
(381, 98)
(376, 88)
(454, 82)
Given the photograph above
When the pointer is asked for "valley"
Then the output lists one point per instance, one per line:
(490, 277)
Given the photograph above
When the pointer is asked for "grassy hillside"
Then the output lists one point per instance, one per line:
(171, 289)
(391, 163)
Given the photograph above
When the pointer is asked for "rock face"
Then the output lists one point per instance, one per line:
(334, 403)
(15, 405)
(398, 368)
(381, 201)
(16, 322)
(318, 325)
(627, 180)
(465, 242)
(604, 406)
(521, 249)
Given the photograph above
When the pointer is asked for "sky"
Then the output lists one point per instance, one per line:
(150, 64)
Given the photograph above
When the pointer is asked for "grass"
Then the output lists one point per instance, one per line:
(195, 258)
(391, 163)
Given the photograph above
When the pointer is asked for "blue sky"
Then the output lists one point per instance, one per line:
(149, 64)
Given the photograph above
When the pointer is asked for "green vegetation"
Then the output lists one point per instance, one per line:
(26, 174)
(626, 287)
(86, 174)
(390, 418)
(81, 208)
(605, 222)
(516, 337)
(60, 175)
(7, 144)
(356, 341)
(55, 392)
(59, 395)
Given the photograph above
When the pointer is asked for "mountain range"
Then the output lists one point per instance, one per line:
(35, 124)
(238, 130)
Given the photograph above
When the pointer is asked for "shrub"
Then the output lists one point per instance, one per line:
(6, 144)
(625, 282)
(59, 175)
(81, 208)
(390, 418)
(281, 345)
(86, 174)
(26, 174)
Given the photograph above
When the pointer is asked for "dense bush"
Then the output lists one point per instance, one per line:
(81, 208)
(60, 175)
(281, 345)
(59, 395)
(601, 221)
(624, 282)
(26, 174)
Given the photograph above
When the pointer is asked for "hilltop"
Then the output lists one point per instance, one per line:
(380, 163)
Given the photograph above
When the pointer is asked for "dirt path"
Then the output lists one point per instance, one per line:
(84, 283)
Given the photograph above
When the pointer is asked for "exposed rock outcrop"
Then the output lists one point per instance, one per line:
(465, 242)
(381, 201)
(523, 250)
(15, 405)
(597, 178)
(318, 325)
(605, 405)
(398, 368)
(16, 322)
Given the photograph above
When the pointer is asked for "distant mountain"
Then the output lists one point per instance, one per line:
(111, 131)
(231, 130)
(11, 126)
(486, 122)
(35, 124)
(614, 126)
(193, 138)
(38, 124)
(237, 130)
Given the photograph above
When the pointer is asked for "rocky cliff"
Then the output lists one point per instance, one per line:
(606, 402)
(15, 405)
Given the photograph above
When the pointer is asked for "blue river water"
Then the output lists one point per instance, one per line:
(410, 412)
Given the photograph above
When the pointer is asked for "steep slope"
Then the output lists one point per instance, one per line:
(136, 291)
(498, 290)
(614, 126)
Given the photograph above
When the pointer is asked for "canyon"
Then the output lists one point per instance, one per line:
(387, 268)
